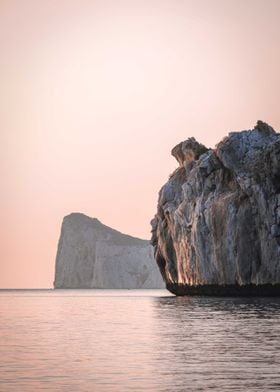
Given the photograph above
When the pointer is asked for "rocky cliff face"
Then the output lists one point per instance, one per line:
(217, 227)
(92, 255)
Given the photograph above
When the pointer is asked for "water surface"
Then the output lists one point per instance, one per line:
(137, 340)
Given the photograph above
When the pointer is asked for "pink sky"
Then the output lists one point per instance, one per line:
(94, 94)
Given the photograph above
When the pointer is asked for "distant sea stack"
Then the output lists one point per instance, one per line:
(92, 255)
(217, 226)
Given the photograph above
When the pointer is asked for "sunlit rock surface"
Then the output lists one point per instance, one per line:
(92, 255)
(217, 227)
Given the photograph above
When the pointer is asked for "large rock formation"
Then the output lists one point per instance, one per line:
(92, 255)
(217, 227)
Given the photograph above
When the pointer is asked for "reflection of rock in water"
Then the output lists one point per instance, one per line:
(217, 227)
(220, 344)
(92, 255)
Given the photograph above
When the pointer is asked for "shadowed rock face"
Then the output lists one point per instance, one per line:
(92, 255)
(218, 216)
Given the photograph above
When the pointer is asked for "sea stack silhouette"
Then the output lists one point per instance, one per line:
(217, 226)
(92, 255)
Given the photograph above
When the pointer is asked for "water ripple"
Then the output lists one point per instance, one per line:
(137, 341)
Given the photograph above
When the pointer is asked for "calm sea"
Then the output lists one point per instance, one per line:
(136, 340)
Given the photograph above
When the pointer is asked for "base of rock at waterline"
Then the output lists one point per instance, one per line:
(233, 290)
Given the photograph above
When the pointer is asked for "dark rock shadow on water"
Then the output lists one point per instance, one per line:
(219, 344)
(264, 307)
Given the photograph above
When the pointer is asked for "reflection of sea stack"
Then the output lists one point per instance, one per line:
(217, 227)
(92, 255)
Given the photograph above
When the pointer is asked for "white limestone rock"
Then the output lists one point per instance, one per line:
(92, 255)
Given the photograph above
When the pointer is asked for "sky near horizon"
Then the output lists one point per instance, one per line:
(94, 94)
